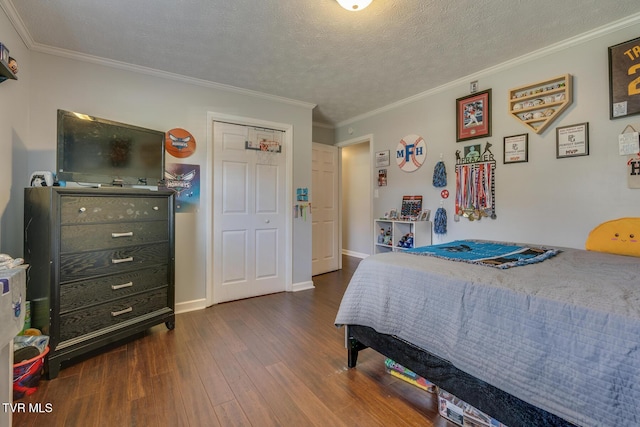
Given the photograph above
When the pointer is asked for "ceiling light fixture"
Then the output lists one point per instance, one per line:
(354, 5)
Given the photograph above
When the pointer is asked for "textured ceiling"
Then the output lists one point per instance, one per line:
(347, 63)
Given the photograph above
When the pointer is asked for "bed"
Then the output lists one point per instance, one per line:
(552, 343)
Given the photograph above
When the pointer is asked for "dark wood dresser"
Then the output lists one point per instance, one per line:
(101, 265)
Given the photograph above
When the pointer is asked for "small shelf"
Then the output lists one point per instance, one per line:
(420, 231)
(537, 105)
(6, 73)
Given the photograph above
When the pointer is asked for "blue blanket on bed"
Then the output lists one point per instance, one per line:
(494, 254)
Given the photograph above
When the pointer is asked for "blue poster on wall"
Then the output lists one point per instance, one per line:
(184, 179)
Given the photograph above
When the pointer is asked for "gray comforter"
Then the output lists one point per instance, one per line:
(563, 335)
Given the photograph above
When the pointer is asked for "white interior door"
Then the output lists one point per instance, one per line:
(249, 202)
(325, 215)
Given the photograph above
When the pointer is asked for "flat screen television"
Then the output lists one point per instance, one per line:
(98, 151)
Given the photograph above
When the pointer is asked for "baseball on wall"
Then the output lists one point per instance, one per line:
(411, 153)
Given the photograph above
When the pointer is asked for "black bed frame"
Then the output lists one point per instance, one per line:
(502, 406)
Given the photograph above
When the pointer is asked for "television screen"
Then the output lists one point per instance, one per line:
(94, 150)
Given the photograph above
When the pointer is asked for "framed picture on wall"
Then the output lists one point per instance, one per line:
(572, 141)
(382, 177)
(383, 158)
(624, 79)
(516, 148)
(471, 153)
(473, 116)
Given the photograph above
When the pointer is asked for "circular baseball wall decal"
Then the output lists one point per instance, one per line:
(411, 153)
(179, 143)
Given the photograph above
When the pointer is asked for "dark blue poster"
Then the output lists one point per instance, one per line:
(184, 179)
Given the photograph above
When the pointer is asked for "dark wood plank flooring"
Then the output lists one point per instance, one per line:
(275, 360)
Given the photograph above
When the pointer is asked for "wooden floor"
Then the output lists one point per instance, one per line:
(276, 360)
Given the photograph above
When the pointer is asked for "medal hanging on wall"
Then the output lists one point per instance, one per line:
(475, 188)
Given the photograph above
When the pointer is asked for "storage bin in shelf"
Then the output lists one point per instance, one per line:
(390, 233)
(537, 105)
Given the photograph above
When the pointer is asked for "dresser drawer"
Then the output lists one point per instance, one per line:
(86, 293)
(101, 265)
(92, 319)
(78, 266)
(75, 238)
(93, 209)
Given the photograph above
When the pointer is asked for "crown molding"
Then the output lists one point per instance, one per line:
(531, 56)
(24, 34)
(323, 125)
(38, 47)
(17, 22)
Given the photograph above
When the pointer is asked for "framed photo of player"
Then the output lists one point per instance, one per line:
(473, 116)
(624, 79)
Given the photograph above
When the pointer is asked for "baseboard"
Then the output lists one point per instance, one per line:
(354, 254)
(200, 304)
(184, 307)
(302, 286)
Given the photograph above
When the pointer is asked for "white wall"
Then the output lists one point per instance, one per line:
(14, 132)
(157, 102)
(323, 134)
(356, 201)
(28, 140)
(547, 200)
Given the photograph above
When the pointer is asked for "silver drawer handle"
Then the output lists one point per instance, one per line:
(82, 210)
(118, 313)
(155, 208)
(125, 234)
(118, 261)
(124, 285)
